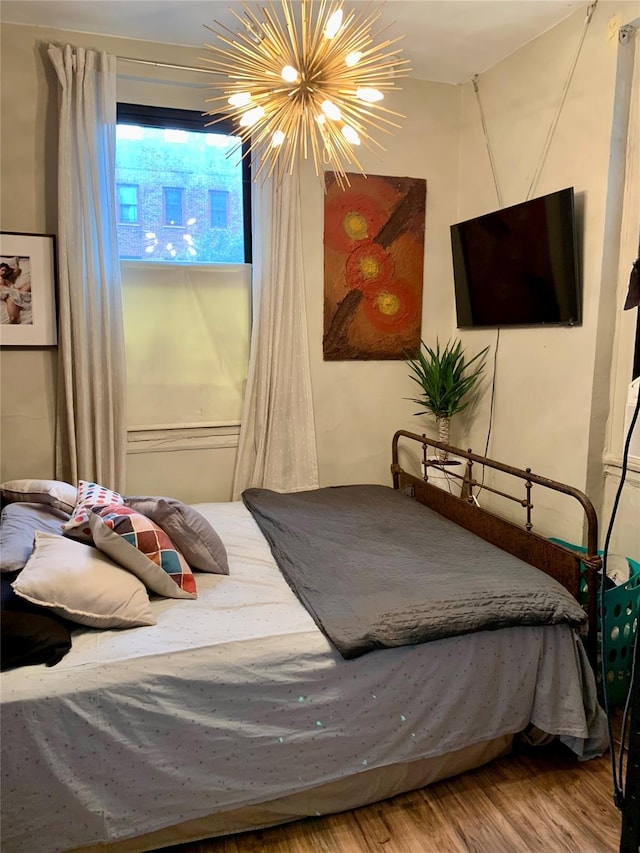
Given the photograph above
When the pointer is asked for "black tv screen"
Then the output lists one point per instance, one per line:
(519, 266)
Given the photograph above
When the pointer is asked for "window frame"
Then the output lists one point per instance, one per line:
(202, 436)
(173, 222)
(122, 204)
(223, 195)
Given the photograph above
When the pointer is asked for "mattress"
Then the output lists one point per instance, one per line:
(237, 699)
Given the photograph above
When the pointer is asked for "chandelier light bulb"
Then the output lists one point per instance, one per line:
(290, 74)
(240, 99)
(303, 73)
(251, 116)
(351, 135)
(353, 58)
(369, 95)
(331, 110)
(333, 25)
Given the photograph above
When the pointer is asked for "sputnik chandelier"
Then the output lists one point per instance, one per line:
(312, 82)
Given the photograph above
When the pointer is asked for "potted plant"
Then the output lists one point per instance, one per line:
(445, 378)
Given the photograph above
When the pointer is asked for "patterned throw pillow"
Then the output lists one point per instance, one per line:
(137, 544)
(89, 495)
(188, 529)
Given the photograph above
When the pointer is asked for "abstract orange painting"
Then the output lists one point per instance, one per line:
(373, 267)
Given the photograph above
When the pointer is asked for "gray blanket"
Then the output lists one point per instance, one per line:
(376, 569)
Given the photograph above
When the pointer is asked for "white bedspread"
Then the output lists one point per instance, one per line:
(237, 698)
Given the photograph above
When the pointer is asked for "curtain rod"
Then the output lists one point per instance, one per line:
(164, 64)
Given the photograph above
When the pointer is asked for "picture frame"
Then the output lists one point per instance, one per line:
(27, 289)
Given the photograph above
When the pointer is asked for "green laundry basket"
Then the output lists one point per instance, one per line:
(621, 608)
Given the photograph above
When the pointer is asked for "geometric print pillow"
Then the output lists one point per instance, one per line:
(138, 544)
(89, 495)
(188, 529)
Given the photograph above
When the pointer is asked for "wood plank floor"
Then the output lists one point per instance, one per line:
(534, 801)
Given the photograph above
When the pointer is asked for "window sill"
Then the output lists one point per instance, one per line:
(167, 437)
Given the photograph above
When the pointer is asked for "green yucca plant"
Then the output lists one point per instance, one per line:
(445, 377)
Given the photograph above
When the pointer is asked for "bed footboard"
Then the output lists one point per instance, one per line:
(578, 573)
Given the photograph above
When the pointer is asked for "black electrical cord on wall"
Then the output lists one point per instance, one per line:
(493, 392)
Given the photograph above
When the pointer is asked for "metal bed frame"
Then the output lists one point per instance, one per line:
(577, 572)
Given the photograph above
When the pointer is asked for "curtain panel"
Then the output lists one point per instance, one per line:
(91, 431)
(277, 447)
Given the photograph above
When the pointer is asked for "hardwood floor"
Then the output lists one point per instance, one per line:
(535, 801)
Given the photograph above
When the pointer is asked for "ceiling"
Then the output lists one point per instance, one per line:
(446, 41)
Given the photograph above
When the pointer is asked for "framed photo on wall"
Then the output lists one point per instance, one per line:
(27, 290)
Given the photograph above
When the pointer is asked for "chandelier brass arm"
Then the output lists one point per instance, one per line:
(304, 80)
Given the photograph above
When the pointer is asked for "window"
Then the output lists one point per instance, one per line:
(174, 184)
(187, 329)
(187, 302)
(173, 205)
(127, 204)
(218, 206)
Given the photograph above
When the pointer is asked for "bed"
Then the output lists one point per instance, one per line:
(234, 710)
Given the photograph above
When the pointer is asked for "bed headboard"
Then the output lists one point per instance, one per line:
(577, 572)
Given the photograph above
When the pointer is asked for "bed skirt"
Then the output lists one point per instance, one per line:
(369, 786)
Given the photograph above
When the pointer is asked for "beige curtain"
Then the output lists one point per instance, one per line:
(91, 419)
(277, 448)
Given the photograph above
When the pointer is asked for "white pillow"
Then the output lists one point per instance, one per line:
(62, 496)
(80, 583)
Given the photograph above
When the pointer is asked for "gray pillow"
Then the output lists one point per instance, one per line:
(57, 493)
(18, 524)
(188, 529)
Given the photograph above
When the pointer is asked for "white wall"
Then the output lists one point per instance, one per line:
(545, 392)
(544, 376)
(553, 385)
(625, 530)
(359, 405)
(27, 204)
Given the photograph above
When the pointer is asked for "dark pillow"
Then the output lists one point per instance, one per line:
(18, 524)
(30, 638)
(29, 634)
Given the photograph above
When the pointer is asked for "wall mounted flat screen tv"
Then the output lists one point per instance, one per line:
(519, 266)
